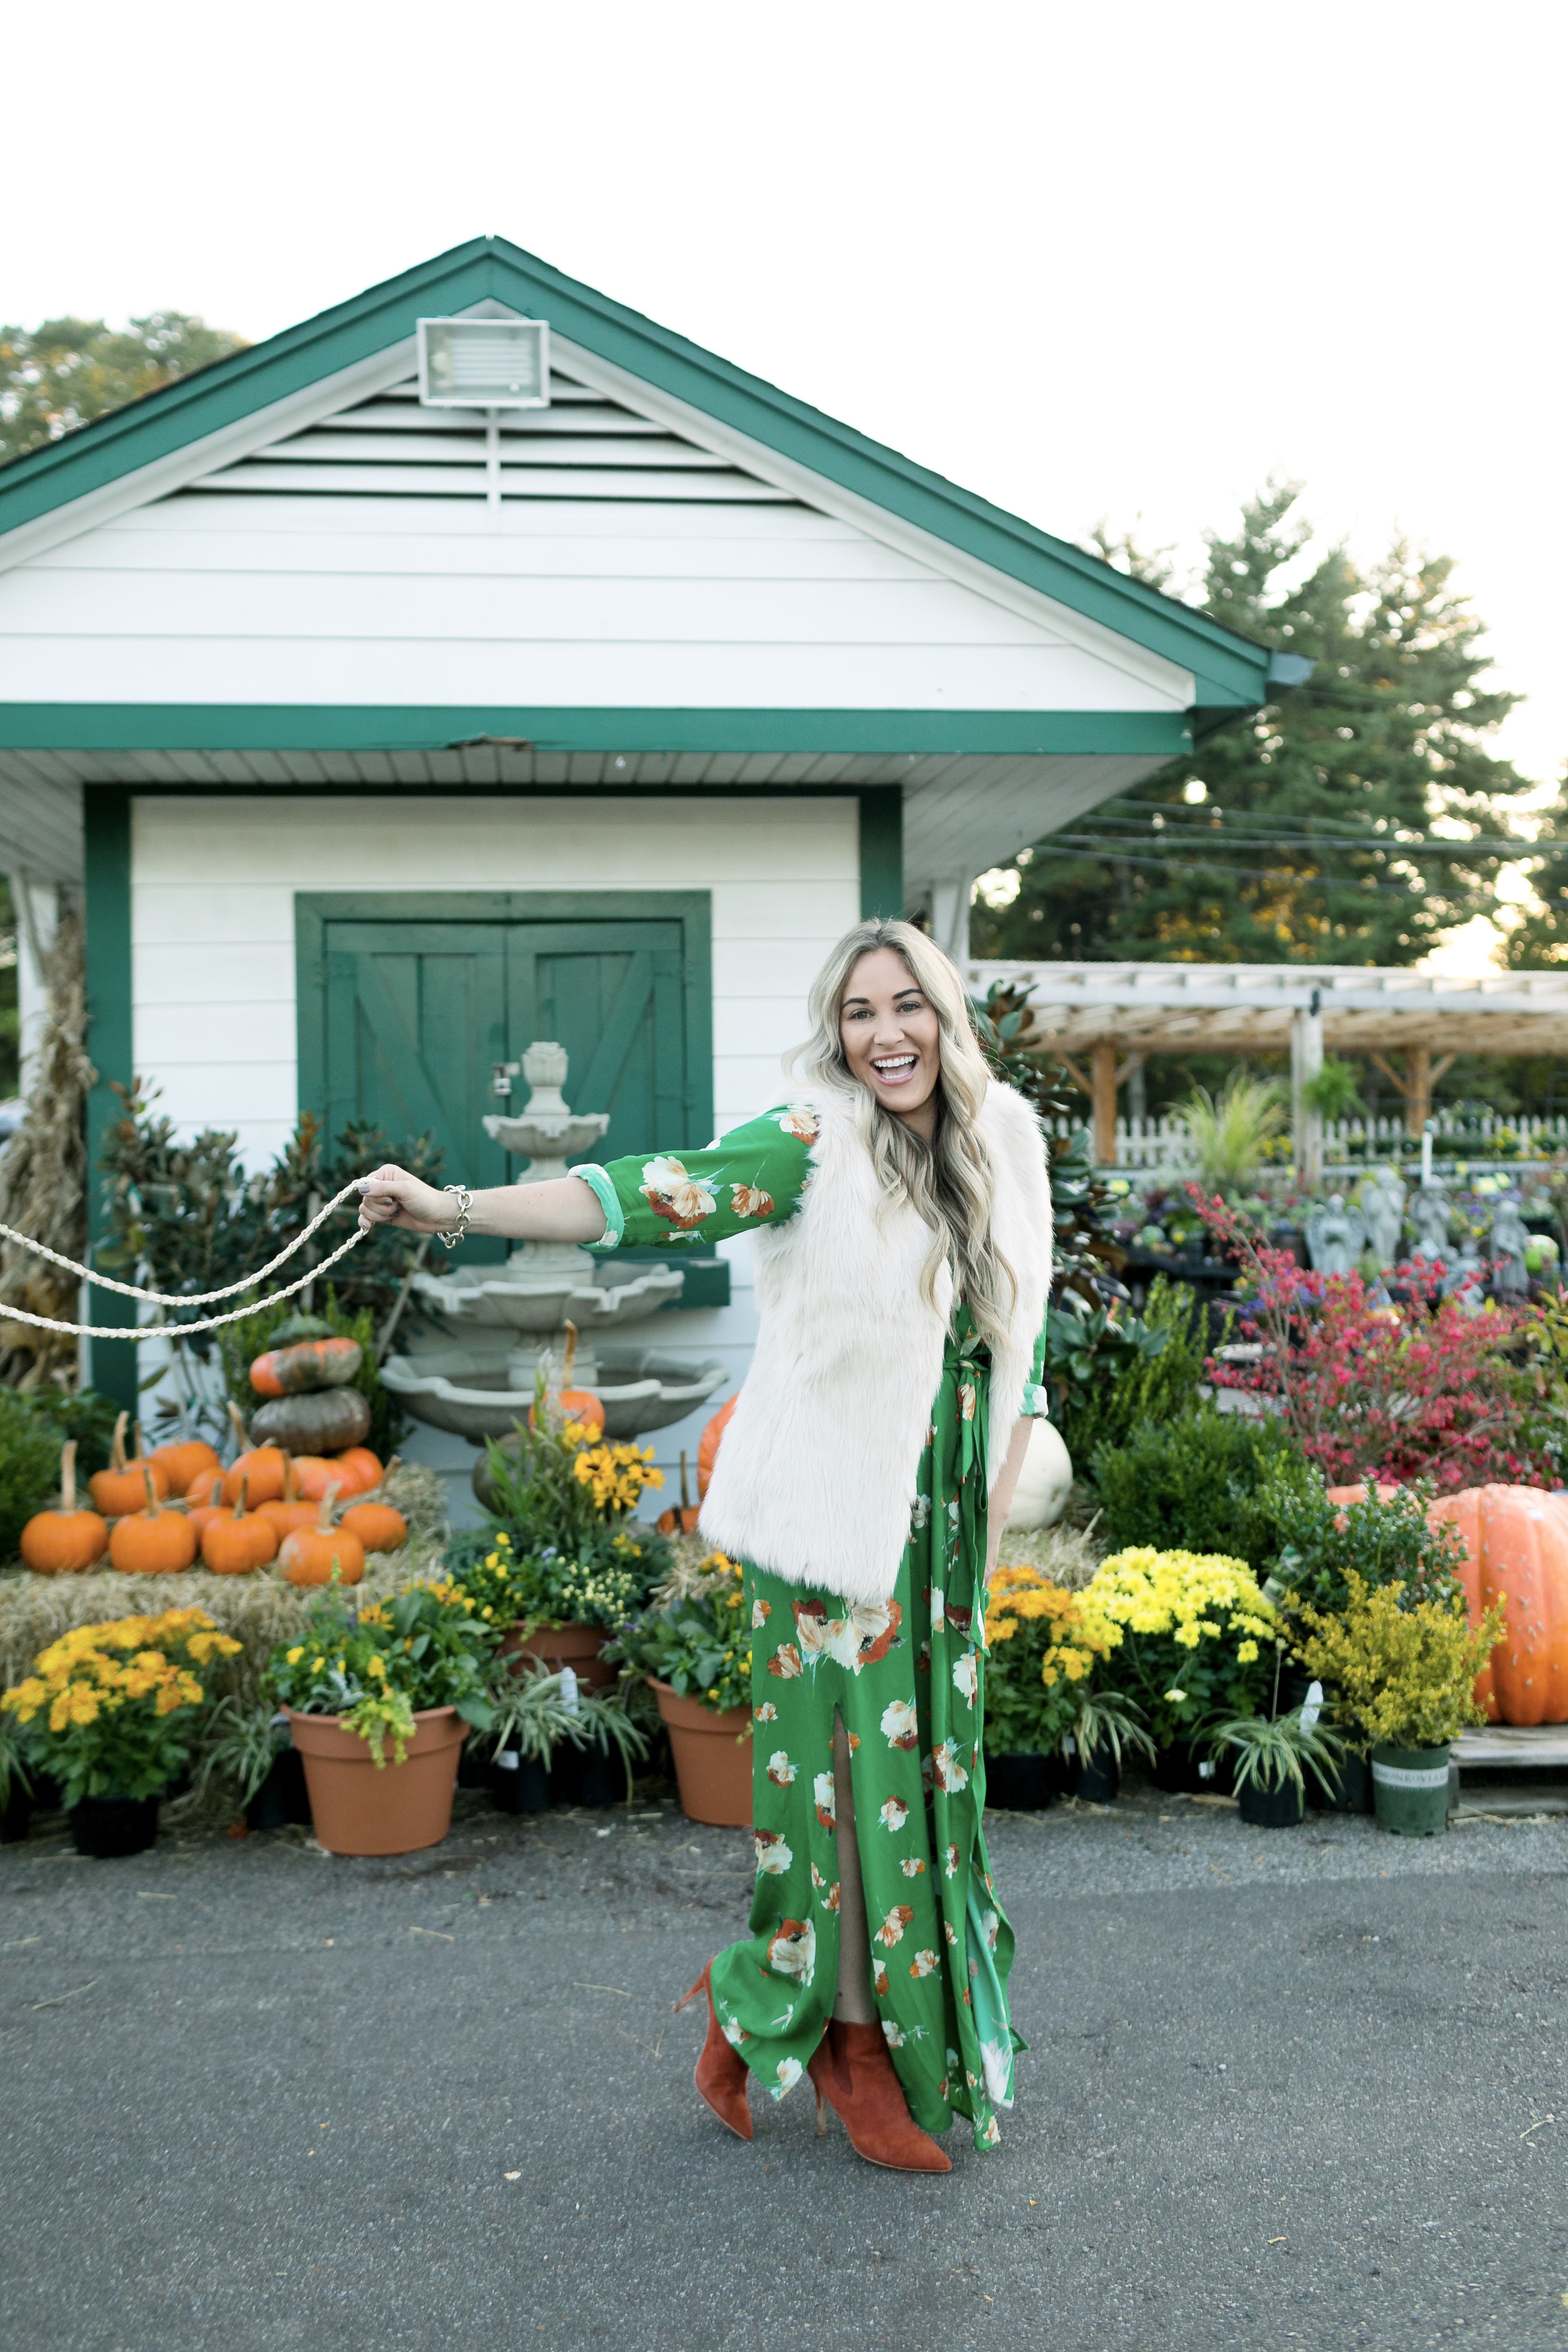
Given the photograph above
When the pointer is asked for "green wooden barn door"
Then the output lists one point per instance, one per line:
(403, 1018)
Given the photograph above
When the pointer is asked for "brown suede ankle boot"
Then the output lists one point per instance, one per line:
(852, 2071)
(721, 2073)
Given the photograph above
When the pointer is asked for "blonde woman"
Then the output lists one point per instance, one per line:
(901, 1206)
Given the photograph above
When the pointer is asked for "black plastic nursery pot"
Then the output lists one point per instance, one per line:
(1021, 1782)
(1183, 1769)
(1351, 1792)
(1271, 1808)
(108, 1828)
(519, 1783)
(15, 1816)
(1095, 1779)
(282, 1798)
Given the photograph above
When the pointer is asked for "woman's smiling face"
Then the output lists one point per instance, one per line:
(891, 1037)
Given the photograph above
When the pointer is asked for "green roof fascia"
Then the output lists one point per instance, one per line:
(1231, 670)
(331, 727)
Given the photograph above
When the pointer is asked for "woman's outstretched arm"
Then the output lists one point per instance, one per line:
(566, 1209)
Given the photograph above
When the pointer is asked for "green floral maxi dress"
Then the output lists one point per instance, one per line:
(907, 1679)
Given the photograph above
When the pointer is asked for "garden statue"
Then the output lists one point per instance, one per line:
(1430, 1215)
(1509, 1240)
(1336, 1235)
(1382, 1206)
(1466, 1279)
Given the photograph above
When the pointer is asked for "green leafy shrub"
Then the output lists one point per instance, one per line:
(1405, 1675)
(1108, 1370)
(1384, 1540)
(701, 1645)
(29, 1466)
(377, 1666)
(1202, 1481)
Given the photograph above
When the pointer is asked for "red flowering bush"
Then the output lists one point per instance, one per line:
(1425, 1390)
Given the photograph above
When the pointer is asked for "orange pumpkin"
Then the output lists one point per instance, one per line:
(684, 1521)
(1516, 1547)
(153, 1542)
(294, 1511)
(356, 1471)
(122, 1488)
(205, 1488)
(183, 1461)
(378, 1527)
(309, 1365)
(707, 1448)
(263, 1472)
(64, 1542)
(579, 1405)
(316, 1555)
(313, 1473)
(236, 1541)
(202, 1514)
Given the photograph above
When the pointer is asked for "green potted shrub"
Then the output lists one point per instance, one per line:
(1405, 1674)
(695, 1651)
(1048, 1726)
(409, 1675)
(109, 1712)
(1387, 1539)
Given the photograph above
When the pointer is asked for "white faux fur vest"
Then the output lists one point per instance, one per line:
(815, 1476)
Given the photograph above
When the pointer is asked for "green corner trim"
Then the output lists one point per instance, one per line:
(354, 727)
(882, 853)
(163, 422)
(107, 826)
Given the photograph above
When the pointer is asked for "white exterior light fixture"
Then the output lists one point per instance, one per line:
(484, 363)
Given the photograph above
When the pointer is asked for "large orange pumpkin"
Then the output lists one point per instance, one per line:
(708, 1449)
(63, 1542)
(1516, 1546)
(153, 1542)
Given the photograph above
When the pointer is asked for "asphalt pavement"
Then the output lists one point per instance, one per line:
(1291, 2089)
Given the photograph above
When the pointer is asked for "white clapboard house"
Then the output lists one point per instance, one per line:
(396, 693)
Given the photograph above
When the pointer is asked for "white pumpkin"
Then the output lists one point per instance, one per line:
(1044, 1482)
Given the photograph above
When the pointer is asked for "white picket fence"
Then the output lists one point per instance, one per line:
(1164, 1144)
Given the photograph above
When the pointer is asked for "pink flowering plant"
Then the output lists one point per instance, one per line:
(1424, 1390)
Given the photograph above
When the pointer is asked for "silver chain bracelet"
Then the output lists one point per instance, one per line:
(460, 1231)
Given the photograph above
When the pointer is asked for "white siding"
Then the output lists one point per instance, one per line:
(220, 596)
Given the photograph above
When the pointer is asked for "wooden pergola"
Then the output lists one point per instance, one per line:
(1103, 1020)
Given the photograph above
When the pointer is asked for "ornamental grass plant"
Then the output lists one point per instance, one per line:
(1405, 1672)
(110, 1710)
(1198, 1637)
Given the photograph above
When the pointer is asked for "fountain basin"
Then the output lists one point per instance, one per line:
(477, 1300)
(641, 1389)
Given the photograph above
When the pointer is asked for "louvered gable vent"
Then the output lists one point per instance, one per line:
(584, 445)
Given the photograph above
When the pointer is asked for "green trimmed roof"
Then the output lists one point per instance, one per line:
(1231, 672)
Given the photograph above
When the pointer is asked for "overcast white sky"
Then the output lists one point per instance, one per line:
(1104, 261)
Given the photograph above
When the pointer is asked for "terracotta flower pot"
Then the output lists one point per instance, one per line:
(712, 1758)
(398, 1808)
(577, 1647)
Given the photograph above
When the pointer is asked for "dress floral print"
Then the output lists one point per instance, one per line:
(906, 1679)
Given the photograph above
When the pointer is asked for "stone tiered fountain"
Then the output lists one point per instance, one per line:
(475, 1338)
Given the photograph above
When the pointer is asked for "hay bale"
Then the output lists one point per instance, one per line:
(1069, 1556)
(258, 1610)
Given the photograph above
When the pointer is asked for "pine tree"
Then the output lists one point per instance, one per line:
(1355, 819)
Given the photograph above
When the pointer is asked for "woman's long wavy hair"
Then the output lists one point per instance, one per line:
(949, 1182)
